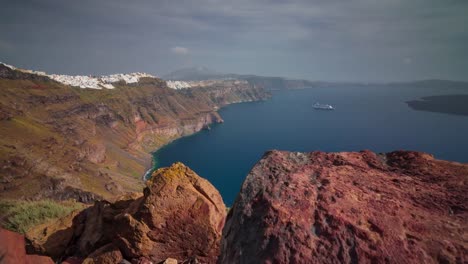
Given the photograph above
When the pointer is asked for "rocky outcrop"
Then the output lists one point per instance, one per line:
(108, 254)
(12, 250)
(180, 215)
(400, 207)
(61, 142)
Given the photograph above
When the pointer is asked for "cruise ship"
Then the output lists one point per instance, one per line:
(318, 106)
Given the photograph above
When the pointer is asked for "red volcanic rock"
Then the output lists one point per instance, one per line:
(400, 207)
(12, 250)
(73, 260)
(181, 216)
(108, 254)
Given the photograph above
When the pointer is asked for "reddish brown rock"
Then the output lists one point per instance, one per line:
(170, 261)
(36, 259)
(13, 251)
(180, 216)
(73, 260)
(400, 207)
(53, 238)
(108, 254)
(80, 233)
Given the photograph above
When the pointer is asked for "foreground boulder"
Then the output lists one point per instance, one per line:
(179, 215)
(400, 207)
(12, 250)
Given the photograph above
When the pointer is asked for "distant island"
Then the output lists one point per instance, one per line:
(455, 104)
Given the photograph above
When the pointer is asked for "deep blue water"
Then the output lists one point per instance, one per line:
(365, 118)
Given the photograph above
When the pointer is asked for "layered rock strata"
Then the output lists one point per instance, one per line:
(63, 142)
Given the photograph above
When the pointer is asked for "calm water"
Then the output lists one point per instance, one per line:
(365, 118)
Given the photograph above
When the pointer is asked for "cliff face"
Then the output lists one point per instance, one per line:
(399, 207)
(63, 142)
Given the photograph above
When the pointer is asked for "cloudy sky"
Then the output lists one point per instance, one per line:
(344, 40)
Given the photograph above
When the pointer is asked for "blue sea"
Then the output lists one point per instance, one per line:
(374, 118)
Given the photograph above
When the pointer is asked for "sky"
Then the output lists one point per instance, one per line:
(329, 40)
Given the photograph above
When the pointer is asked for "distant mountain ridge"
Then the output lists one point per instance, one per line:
(282, 83)
(270, 83)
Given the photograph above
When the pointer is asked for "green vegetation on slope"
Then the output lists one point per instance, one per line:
(62, 142)
(20, 216)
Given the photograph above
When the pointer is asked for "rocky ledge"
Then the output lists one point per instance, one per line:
(179, 215)
(399, 207)
(358, 207)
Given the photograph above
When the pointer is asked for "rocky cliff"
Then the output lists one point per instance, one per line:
(399, 207)
(64, 142)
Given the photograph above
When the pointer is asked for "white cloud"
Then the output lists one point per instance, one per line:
(180, 50)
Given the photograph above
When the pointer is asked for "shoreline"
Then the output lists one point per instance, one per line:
(154, 163)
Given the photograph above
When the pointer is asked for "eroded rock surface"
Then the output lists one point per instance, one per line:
(400, 207)
(12, 250)
(180, 216)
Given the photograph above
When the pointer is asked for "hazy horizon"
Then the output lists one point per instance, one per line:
(356, 40)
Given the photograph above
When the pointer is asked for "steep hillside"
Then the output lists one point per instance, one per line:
(62, 142)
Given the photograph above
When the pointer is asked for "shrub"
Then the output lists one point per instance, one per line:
(20, 216)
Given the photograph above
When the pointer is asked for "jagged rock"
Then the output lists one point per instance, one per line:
(400, 207)
(54, 238)
(133, 239)
(181, 215)
(169, 261)
(142, 260)
(12, 250)
(73, 260)
(79, 233)
(108, 254)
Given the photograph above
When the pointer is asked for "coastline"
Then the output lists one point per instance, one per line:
(155, 163)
